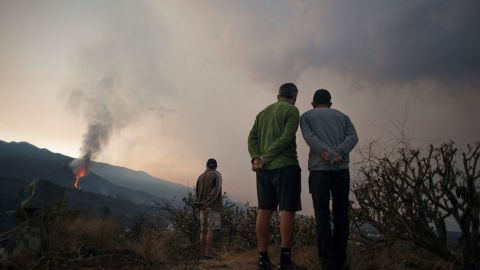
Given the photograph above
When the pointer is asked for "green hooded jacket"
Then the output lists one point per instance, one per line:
(272, 137)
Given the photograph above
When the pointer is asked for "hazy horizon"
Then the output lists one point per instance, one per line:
(175, 83)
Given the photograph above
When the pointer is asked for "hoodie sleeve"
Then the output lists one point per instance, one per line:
(351, 138)
(253, 143)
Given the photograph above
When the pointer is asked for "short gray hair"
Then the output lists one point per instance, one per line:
(288, 90)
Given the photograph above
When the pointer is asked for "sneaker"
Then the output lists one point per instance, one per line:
(291, 266)
(264, 265)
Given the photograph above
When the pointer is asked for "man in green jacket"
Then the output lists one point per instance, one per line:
(273, 150)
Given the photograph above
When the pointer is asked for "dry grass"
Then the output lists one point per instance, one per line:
(170, 250)
(245, 260)
(88, 243)
(83, 233)
(399, 256)
(160, 247)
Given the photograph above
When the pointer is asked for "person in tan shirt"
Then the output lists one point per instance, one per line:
(209, 199)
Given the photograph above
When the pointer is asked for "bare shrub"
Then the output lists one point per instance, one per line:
(305, 234)
(409, 195)
(238, 224)
(74, 233)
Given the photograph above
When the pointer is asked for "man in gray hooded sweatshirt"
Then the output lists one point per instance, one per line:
(331, 136)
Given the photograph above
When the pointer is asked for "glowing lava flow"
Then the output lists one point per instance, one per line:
(78, 174)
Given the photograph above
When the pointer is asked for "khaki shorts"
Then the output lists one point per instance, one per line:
(210, 220)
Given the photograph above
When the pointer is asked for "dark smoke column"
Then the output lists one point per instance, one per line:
(97, 136)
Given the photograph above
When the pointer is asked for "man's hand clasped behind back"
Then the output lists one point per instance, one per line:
(257, 165)
(336, 160)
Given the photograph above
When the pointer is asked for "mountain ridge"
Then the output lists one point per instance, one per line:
(27, 161)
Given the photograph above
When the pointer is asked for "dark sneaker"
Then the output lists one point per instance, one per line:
(264, 265)
(291, 266)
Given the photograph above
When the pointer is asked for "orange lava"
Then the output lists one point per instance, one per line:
(75, 182)
(79, 174)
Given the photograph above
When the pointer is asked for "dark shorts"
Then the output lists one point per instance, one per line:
(280, 187)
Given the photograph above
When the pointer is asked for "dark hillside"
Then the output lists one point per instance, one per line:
(14, 191)
(139, 180)
(25, 161)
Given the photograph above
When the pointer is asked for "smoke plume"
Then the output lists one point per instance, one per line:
(100, 126)
(117, 78)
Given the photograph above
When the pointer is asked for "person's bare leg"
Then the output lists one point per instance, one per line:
(262, 226)
(209, 242)
(287, 220)
(203, 236)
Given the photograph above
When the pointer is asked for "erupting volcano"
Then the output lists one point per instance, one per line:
(101, 123)
(80, 169)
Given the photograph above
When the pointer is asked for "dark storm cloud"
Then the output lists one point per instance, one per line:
(379, 41)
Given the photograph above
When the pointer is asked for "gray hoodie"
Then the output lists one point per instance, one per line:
(326, 129)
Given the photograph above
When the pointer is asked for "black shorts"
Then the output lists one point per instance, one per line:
(280, 187)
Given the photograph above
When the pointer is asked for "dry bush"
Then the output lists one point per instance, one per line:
(305, 234)
(70, 241)
(183, 220)
(73, 233)
(151, 245)
(159, 244)
(238, 224)
(410, 194)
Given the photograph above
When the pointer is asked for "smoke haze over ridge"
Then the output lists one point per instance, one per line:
(162, 86)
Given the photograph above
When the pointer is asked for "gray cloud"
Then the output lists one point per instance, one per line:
(118, 74)
(378, 41)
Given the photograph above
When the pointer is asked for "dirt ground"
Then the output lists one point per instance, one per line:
(247, 260)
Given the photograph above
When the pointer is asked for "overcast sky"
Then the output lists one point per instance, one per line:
(178, 82)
